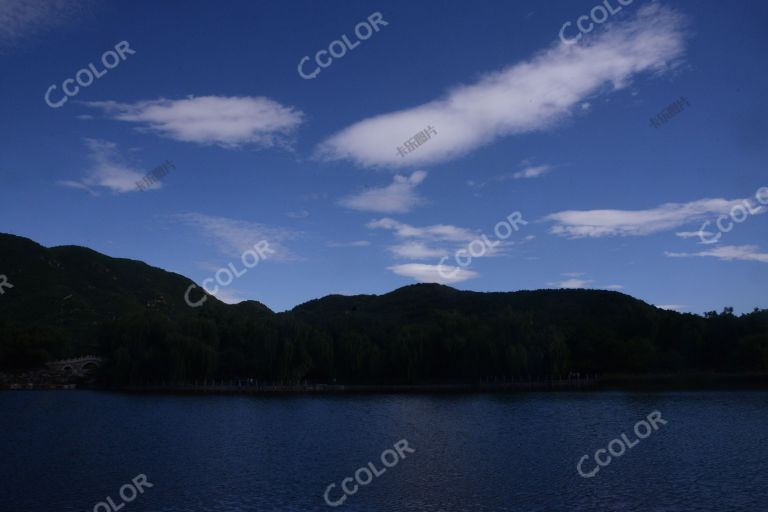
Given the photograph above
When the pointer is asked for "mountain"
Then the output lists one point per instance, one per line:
(418, 300)
(67, 301)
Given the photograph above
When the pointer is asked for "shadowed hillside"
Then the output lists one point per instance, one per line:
(68, 301)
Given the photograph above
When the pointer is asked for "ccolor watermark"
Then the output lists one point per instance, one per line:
(338, 48)
(481, 246)
(668, 113)
(738, 214)
(128, 493)
(416, 141)
(4, 284)
(599, 15)
(364, 475)
(154, 175)
(86, 76)
(225, 276)
(618, 447)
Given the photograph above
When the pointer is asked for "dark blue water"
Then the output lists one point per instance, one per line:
(67, 451)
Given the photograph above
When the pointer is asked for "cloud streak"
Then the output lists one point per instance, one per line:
(353, 243)
(527, 97)
(229, 122)
(437, 232)
(727, 253)
(433, 273)
(602, 223)
(416, 251)
(532, 172)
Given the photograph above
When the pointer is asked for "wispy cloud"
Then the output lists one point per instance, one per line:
(527, 170)
(600, 223)
(433, 273)
(727, 253)
(439, 232)
(23, 19)
(299, 214)
(229, 122)
(416, 251)
(354, 243)
(108, 171)
(532, 172)
(695, 234)
(398, 197)
(233, 237)
(439, 240)
(530, 96)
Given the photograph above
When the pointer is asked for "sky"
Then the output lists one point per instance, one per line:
(487, 145)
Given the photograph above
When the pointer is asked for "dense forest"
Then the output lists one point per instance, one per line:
(70, 301)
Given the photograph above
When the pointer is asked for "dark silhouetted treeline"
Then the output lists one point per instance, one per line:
(69, 301)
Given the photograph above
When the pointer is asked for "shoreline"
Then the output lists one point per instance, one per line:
(658, 382)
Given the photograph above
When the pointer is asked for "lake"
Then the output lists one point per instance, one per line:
(70, 450)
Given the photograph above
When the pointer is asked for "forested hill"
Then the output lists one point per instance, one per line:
(69, 301)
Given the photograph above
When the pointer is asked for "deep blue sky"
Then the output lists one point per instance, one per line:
(523, 123)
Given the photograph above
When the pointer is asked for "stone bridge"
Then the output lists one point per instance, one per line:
(77, 367)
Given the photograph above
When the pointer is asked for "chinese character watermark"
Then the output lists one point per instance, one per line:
(154, 175)
(669, 112)
(416, 141)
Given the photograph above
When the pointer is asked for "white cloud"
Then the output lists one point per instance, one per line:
(229, 122)
(600, 223)
(416, 251)
(576, 280)
(434, 242)
(530, 96)
(22, 19)
(108, 171)
(571, 283)
(439, 240)
(300, 214)
(433, 273)
(354, 243)
(440, 232)
(233, 237)
(727, 253)
(532, 172)
(398, 197)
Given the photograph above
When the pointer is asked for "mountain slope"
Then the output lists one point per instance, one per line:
(69, 301)
(72, 286)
